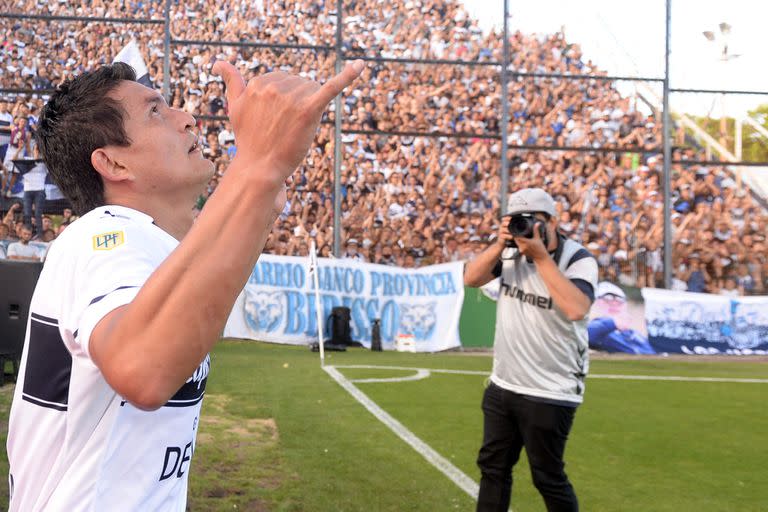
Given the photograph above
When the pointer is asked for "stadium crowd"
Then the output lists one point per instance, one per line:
(411, 201)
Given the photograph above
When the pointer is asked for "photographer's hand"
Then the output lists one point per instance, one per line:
(566, 295)
(532, 248)
(479, 270)
(504, 236)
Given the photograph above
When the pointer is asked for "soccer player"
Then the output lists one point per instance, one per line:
(133, 295)
(540, 356)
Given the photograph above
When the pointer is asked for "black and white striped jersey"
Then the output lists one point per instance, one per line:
(73, 443)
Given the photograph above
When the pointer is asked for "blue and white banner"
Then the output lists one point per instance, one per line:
(698, 323)
(279, 305)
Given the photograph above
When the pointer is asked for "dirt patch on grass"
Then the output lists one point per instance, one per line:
(256, 506)
(215, 417)
(236, 460)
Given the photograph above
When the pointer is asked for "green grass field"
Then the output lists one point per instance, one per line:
(279, 434)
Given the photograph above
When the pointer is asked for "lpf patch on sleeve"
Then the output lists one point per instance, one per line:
(108, 241)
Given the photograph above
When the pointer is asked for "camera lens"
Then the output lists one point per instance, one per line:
(521, 225)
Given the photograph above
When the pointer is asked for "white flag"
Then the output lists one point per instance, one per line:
(312, 258)
(131, 55)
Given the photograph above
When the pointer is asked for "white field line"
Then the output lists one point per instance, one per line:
(458, 477)
(590, 376)
(419, 375)
(464, 482)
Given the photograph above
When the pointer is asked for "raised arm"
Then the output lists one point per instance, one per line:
(479, 270)
(180, 312)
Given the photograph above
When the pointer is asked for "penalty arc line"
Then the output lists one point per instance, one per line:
(442, 464)
(419, 375)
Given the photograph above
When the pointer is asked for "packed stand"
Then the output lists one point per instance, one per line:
(413, 201)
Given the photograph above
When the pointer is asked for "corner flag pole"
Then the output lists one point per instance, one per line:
(318, 304)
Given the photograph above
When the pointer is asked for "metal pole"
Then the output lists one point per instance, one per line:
(667, 156)
(337, 145)
(504, 115)
(167, 53)
(738, 149)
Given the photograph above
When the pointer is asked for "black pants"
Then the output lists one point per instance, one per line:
(512, 421)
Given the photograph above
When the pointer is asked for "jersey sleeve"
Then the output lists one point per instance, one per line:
(582, 271)
(112, 266)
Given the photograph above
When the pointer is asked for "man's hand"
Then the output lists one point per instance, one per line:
(533, 248)
(275, 116)
(504, 234)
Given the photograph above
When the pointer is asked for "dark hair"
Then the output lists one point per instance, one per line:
(79, 118)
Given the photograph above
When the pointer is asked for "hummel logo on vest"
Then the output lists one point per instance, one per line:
(531, 298)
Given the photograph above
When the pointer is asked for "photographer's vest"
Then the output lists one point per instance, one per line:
(537, 351)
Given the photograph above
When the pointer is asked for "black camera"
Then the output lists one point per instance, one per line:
(522, 225)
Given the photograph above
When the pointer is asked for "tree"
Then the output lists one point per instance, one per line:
(754, 144)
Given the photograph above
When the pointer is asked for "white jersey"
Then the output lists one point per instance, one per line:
(537, 351)
(73, 443)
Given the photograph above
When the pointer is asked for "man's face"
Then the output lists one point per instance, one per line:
(25, 235)
(164, 154)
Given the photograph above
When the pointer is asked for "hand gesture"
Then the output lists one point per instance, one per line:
(275, 116)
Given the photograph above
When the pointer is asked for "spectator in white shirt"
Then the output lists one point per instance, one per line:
(22, 250)
(34, 192)
(398, 209)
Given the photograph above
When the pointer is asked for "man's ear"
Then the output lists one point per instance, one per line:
(107, 165)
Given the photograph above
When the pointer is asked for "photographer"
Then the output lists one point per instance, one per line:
(540, 350)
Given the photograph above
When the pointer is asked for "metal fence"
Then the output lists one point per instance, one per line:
(505, 73)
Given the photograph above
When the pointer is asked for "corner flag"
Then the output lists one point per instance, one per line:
(318, 303)
(131, 55)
